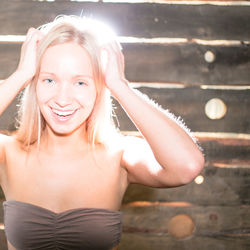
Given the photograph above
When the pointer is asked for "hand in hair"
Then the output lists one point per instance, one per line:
(113, 66)
(27, 63)
(25, 71)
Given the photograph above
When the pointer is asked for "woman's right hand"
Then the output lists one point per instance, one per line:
(28, 59)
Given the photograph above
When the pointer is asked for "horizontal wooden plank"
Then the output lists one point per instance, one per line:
(8, 118)
(220, 186)
(226, 151)
(208, 220)
(139, 241)
(184, 62)
(9, 58)
(137, 19)
(185, 2)
(216, 227)
(188, 103)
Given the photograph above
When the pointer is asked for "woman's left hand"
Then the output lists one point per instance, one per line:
(113, 66)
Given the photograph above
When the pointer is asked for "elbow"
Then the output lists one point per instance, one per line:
(184, 173)
(193, 169)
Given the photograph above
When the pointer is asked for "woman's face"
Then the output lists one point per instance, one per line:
(66, 90)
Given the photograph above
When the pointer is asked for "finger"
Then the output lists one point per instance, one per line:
(34, 36)
(115, 56)
(29, 34)
(120, 57)
(40, 34)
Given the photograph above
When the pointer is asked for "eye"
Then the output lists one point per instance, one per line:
(50, 81)
(81, 83)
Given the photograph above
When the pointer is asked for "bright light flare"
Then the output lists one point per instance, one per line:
(12, 38)
(101, 31)
(105, 33)
(199, 179)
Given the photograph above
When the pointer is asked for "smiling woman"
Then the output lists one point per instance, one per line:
(64, 173)
(69, 53)
(65, 89)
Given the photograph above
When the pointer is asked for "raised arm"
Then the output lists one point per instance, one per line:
(20, 78)
(168, 156)
(25, 71)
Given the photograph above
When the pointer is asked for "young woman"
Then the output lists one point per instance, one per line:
(65, 171)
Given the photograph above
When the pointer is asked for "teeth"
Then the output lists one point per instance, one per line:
(63, 113)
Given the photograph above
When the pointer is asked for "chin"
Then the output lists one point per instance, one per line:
(65, 130)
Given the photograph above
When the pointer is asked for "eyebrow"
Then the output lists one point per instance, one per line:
(48, 73)
(79, 76)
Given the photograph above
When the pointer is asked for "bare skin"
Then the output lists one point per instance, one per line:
(65, 173)
(61, 183)
(58, 183)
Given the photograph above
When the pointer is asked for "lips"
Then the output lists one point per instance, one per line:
(63, 115)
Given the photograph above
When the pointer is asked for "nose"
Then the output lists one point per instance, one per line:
(63, 96)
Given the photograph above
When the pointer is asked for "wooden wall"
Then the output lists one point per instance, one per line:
(182, 54)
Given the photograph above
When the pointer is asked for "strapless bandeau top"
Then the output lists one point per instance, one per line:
(30, 227)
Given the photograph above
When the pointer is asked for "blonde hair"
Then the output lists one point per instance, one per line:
(88, 34)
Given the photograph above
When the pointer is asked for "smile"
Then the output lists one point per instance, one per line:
(63, 115)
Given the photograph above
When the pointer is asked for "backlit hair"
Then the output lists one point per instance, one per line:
(90, 35)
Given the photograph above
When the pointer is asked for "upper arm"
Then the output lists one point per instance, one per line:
(143, 168)
(140, 163)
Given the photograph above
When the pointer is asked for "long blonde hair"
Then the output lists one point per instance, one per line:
(88, 34)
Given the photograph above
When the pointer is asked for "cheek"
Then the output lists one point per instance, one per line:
(86, 98)
(42, 93)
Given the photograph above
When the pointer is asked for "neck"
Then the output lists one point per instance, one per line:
(53, 143)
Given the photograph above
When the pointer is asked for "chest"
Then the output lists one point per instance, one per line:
(84, 179)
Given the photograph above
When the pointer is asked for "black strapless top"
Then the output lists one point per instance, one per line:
(30, 227)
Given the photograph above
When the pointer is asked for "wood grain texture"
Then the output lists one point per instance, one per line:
(189, 103)
(226, 152)
(221, 186)
(139, 241)
(185, 63)
(137, 19)
(8, 118)
(208, 219)
(217, 227)
(9, 58)
(182, 62)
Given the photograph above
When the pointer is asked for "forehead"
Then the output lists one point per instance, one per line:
(67, 58)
